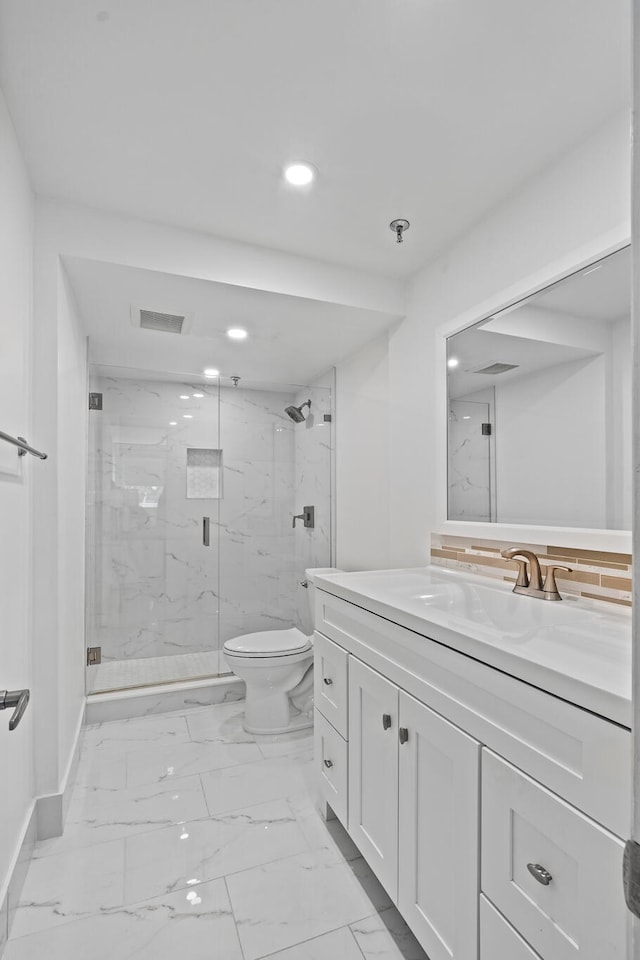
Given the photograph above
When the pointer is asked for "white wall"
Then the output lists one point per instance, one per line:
(362, 459)
(572, 210)
(620, 406)
(71, 465)
(551, 463)
(16, 594)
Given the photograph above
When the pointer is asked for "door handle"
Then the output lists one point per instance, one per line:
(205, 531)
(386, 721)
(16, 700)
(403, 734)
(327, 681)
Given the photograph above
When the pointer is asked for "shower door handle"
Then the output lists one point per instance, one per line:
(17, 701)
(205, 532)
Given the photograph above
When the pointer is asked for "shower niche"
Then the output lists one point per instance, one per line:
(204, 473)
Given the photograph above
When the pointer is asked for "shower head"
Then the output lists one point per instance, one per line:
(296, 413)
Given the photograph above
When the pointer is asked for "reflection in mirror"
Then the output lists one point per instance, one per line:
(539, 404)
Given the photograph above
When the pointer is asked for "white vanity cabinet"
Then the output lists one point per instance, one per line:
(467, 790)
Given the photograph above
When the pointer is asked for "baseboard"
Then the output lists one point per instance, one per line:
(17, 874)
(162, 698)
(52, 808)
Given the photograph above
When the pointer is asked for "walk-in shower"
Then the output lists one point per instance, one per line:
(192, 487)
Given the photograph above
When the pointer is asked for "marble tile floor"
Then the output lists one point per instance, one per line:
(187, 836)
(148, 671)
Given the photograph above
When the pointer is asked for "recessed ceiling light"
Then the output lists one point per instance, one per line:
(237, 333)
(173, 423)
(184, 396)
(453, 362)
(211, 372)
(299, 174)
(187, 416)
(198, 396)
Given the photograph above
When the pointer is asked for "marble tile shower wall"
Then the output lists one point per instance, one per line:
(154, 589)
(257, 575)
(312, 482)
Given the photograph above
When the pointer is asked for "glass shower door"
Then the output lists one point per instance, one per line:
(273, 468)
(469, 462)
(155, 470)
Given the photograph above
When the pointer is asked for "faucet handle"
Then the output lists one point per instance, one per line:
(514, 554)
(550, 586)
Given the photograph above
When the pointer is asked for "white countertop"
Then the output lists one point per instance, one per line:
(573, 649)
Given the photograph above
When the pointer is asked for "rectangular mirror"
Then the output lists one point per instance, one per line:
(539, 406)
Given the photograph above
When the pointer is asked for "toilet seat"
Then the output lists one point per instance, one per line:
(269, 643)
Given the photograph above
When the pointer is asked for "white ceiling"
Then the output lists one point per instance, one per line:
(291, 340)
(184, 111)
(601, 292)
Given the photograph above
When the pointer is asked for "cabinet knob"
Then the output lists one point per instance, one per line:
(540, 874)
(386, 720)
(327, 680)
(328, 763)
(403, 733)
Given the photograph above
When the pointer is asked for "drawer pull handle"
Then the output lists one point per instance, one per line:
(328, 763)
(386, 720)
(403, 733)
(540, 874)
(327, 680)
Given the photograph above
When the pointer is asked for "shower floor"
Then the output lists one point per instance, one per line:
(148, 671)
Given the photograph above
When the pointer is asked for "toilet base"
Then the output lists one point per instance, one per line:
(296, 723)
(272, 713)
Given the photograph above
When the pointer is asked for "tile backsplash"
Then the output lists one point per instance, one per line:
(597, 575)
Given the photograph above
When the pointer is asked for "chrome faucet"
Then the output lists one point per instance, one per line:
(529, 579)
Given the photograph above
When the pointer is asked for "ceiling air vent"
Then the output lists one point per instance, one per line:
(495, 368)
(165, 322)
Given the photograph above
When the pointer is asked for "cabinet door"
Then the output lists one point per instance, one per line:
(439, 883)
(373, 771)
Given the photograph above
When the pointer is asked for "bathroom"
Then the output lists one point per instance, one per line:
(144, 789)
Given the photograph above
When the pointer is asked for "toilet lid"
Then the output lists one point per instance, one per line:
(269, 643)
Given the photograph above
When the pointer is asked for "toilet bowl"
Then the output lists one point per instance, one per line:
(277, 668)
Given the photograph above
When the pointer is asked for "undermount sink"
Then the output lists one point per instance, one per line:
(498, 606)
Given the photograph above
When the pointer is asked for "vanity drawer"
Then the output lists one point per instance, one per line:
(576, 909)
(330, 758)
(331, 682)
(498, 939)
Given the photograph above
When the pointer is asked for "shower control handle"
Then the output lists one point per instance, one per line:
(308, 516)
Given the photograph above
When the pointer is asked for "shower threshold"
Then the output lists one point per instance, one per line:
(118, 675)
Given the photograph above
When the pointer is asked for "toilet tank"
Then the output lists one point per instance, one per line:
(309, 613)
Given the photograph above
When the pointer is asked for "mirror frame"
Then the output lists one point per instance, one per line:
(580, 538)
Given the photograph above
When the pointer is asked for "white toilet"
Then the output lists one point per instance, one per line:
(277, 667)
